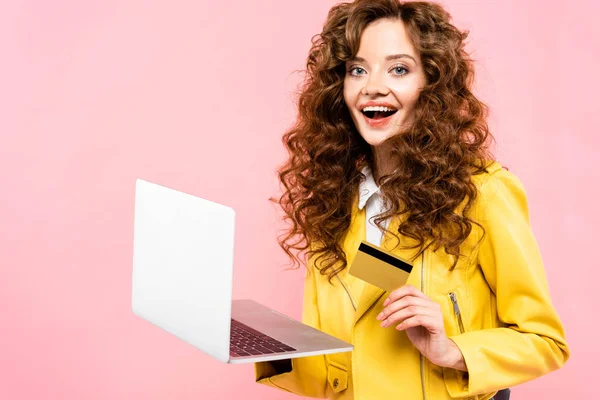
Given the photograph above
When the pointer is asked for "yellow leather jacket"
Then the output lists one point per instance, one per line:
(495, 302)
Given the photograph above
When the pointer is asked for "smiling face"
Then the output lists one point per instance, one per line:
(383, 82)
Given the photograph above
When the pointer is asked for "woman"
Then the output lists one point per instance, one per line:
(391, 147)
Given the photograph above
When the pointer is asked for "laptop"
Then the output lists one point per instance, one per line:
(182, 282)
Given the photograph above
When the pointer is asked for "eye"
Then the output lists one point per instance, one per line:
(400, 70)
(355, 71)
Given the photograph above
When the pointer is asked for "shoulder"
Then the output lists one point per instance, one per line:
(495, 176)
(497, 189)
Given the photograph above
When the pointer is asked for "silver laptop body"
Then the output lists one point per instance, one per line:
(182, 282)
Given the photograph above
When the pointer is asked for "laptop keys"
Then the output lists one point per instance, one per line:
(246, 341)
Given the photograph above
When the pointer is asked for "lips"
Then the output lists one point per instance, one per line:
(379, 122)
(379, 114)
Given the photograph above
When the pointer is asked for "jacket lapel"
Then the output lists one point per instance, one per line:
(370, 293)
(369, 296)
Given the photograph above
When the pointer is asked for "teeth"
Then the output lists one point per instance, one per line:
(377, 108)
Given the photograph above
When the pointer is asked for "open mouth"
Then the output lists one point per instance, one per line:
(379, 114)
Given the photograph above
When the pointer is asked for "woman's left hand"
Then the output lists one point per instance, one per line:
(410, 310)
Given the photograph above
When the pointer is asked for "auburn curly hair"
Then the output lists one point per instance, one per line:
(447, 142)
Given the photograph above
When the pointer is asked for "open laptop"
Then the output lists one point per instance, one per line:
(182, 282)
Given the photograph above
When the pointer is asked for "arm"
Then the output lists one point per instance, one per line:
(533, 343)
(305, 376)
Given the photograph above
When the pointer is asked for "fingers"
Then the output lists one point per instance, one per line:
(408, 306)
(409, 312)
(428, 322)
(406, 290)
(406, 301)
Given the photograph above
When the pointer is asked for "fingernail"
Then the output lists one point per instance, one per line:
(383, 324)
(380, 316)
(386, 302)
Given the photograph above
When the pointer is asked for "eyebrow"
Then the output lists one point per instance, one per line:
(388, 58)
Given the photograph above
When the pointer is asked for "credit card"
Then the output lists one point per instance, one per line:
(379, 267)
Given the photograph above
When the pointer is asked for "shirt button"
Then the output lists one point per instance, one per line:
(336, 383)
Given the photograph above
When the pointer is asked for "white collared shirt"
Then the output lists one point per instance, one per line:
(370, 197)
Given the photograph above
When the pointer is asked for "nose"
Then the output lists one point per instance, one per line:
(374, 85)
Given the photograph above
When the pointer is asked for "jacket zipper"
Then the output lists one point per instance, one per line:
(421, 355)
(457, 312)
(347, 292)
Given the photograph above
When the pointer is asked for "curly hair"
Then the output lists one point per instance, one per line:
(445, 145)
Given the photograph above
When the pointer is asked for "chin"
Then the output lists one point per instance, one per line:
(375, 139)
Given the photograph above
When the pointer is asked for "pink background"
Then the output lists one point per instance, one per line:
(196, 95)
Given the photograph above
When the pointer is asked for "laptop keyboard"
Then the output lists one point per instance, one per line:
(246, 341)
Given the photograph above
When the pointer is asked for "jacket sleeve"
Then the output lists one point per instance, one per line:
(308, 376)
(533, 341)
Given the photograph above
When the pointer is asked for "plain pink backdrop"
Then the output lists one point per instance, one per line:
(196, 95)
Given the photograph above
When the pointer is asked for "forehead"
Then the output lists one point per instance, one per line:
(384, 37)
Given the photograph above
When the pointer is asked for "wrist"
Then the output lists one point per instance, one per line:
(454, 358)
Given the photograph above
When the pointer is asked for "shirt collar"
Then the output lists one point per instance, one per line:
(367, 188)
